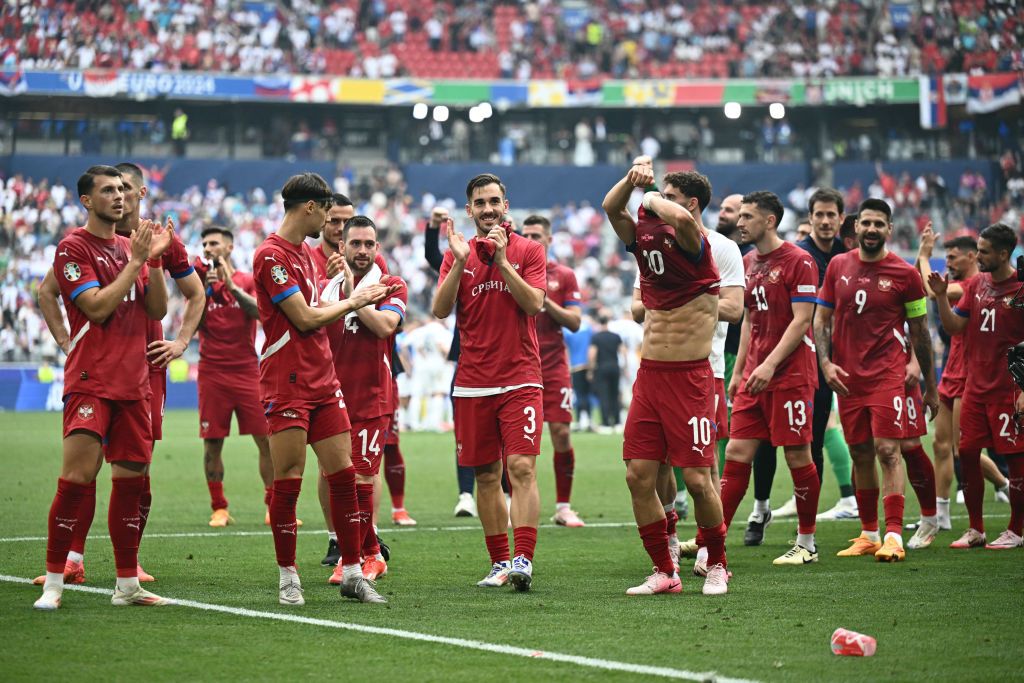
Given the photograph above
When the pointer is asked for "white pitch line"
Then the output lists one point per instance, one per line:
(496, 648)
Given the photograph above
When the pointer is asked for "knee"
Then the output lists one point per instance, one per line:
(487, 477)
(521, 470)
(213, 447)
(639, 482)
(888, 453)
(698, 482)
(560, 437)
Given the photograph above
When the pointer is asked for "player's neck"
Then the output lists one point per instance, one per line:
(969, 274)
(128, 224)
(327, 248)
(1003, 272)
(872, 258)
(100, 228)
(292, 231)
(769, 243)
(823, 245)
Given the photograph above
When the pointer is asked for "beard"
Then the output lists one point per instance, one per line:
(871, 249)
(727, 228)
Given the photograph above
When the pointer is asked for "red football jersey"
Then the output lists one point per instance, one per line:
(362, 360)
(498, 340)
(669, 277)
(227, 337)
(293, 364)
(106, 360)
(870, 301)
(993, 327)
(564, 291)
(774, 282)
(320, 260)
(956, 368)
(175, 261)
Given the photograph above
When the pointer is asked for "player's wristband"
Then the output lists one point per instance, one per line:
(916, 308)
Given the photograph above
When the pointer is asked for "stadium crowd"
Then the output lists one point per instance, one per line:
(534, 39)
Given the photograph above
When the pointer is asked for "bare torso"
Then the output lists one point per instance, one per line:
(681, 334)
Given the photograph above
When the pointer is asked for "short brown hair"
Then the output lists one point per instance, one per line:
(692, 184)
(825, 195)
(537, 219)
(87, 180)
(306, 187)
(483, 180)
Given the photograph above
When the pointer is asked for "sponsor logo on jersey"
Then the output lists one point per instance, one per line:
(845, 279)
(86, 411)
(72, 271)
(774, 275)
(279, 274)
(884, 284)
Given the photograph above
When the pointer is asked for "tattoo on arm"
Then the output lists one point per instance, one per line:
(923, 349)
(823, 340)
(247, 303)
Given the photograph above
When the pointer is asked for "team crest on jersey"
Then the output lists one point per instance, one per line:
(1007, 302)
(552, 285)
(72, 271)
(86, 411)
(774, 274)
(279, 275)
(884, 284)
(668, 242)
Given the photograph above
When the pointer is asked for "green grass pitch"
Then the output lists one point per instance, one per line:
(941, 615)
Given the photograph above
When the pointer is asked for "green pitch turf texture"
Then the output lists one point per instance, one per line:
(941, 615)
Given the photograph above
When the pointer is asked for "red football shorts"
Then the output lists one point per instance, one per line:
(368, 440)
(880, 415)
(721, 410)
(158, 385)
(672, 416)
(319, 419)
(990, 425)
(558, 396)
(222, 393)
(489, 427)
(951, 389)
(124, 427)
(391, 438)
(917, 416)
(784, 417)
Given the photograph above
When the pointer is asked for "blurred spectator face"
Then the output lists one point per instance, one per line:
(336, 218)
(487, 207)
(959, 262)
(825, 221)
(360, 249)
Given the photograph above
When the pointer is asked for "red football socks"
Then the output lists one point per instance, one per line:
(124, 519)
(145, 504)
(565, 463)
(283, 499)
(217, 499)
(655, 539)
(394, 475)
(806, 488)
(867, 506)
(345, 512)
(893, 505)
(63, 521)
(1016, 463)
(735, 480)
(714, 536)
(497, 548)
(525, 538)
(921, 474)
(974, 486)
(86, 512)
(368, 539)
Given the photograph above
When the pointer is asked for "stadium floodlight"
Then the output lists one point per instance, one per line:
(733, 110)
(485, 109)
(777, 110)
(420, 111)
(476, 115)
(441, 113)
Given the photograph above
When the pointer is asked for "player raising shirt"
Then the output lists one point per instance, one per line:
(228, 369)
(989, 318)
(361, 344)
(776, 374)
(298, 387)
(867, 297)
(104, 281)
(561, 309)
(672, 417)
(496, 284)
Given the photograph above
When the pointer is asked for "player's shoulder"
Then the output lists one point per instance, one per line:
(74, 238)
(392, 279)
(527, 246)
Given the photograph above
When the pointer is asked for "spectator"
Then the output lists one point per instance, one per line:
(605, 370)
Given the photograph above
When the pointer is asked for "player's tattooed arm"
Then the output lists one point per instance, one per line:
(49, 293)
(833, 374)
(922, 343)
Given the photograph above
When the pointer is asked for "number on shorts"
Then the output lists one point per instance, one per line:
(860, 298)
(1007, 420)
(911, 409)
(702, 429)
(341, 399)
(531, 414)
(988, 320)
(655, 261)
(370, 444)
(760, 298)
(566, 398)
(797, 411)
(897, 403)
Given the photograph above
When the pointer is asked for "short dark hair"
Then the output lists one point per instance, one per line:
(218, 230)
(825, 195)
(483, 180)
(1001, 236)
(537, 219)
(342, 200)
(766, 201)
(358, 222)
(692, 184)
(873, 204)
(306, 187)
(128, 168)
(848, 230)
(87, 180)
(963, 243)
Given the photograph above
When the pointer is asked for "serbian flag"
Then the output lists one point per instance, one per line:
(993, 92)
(932, 102)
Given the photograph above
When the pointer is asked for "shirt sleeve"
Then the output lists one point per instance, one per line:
(74, 270)
(730, 265)
(397, 301)
(915, 301)
(446, 266)
(175, 260)
(963, 305)
(573, 296)
(636, 283)
(803, 285)
(535, 270)
(826, 295)
(277, 276)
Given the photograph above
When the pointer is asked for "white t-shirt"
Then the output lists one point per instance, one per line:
(730, 267)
